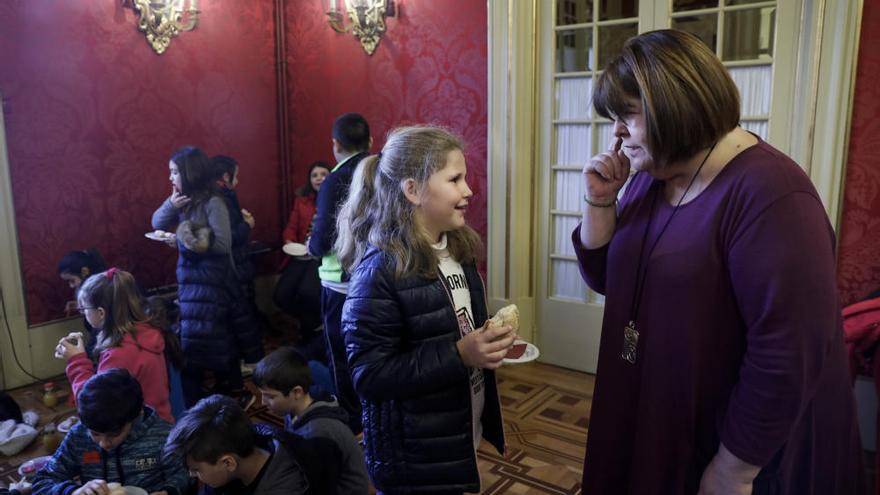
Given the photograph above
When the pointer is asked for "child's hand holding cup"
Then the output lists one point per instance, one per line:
(70, 346)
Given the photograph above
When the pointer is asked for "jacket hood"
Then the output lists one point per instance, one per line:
(147, 338)
(196, 238)
(324, 406)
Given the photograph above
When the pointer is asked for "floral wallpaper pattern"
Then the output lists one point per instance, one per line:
(92, 115)
(431, 66)
(859, 237)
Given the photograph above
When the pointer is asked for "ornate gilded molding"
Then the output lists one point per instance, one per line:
(162, 20)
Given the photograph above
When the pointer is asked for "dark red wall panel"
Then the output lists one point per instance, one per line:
(430, 67)
(92, 115)
(859, 251)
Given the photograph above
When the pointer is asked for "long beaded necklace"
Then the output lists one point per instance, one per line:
(629, 353)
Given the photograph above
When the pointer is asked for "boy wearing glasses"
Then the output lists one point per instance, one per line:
(117, 440)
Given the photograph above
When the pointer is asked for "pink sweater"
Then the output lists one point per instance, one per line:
(144, 358)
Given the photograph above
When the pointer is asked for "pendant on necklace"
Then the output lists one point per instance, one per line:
(630, 343)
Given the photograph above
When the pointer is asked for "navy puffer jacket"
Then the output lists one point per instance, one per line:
(204, 298)
(400, 336)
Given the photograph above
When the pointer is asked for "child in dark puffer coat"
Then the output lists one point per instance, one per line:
(244, 314)
(205, 274)
(422, 358)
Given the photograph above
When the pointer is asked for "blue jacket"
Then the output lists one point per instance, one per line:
(138, 461)
(207, 285)
(334, 192)
(241, 234)
(216, 328)
(400, 335)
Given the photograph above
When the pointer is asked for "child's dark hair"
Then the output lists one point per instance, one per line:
(115, 291)
(159, 310)
(352, 132)
(9, 409)
(196, 173)
(307, 189)
(212, 428)
(110, 400)
(224, 165)
(282, 370)
(74, 261)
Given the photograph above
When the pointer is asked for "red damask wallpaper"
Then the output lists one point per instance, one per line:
(430, 67)
(859, 252)
(92, 115)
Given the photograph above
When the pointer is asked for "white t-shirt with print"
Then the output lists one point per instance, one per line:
(457, 286)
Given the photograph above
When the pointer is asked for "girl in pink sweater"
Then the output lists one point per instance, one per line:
(126, 339)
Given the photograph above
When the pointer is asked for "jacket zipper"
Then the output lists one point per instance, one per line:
(497, 393)
(471, 396)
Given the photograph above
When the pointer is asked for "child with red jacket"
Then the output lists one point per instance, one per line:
(111, 305)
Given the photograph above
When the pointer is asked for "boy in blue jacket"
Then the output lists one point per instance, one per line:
(118, 439)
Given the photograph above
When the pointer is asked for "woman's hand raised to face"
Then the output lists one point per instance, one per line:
(606, 173)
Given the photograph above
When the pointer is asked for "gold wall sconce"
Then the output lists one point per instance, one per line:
(162, 20)
(366, 20)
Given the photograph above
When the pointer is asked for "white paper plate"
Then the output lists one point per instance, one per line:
(295, 249)
(67, 424)
(158, 235)
(531, 353)
(36, 462)
(134, 490)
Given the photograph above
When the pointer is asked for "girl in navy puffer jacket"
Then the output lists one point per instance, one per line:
(421, 358)
(205, 274)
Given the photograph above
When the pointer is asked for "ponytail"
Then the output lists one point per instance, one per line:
(378, 213)
(159, 311)
(354, 219)
(114, 290)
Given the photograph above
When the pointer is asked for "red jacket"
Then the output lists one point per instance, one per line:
(144, 358)
(300, 222)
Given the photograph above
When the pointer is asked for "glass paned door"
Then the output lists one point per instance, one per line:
(578, 37)
(586, 34)
(742, 33)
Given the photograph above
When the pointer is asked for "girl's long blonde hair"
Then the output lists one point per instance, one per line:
(377, 212)
(115, 291)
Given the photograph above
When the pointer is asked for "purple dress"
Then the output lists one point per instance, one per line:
(740, 339)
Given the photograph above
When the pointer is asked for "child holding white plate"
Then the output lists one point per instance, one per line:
(420, 353)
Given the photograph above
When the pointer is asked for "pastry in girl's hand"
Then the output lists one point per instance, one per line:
(506, 316)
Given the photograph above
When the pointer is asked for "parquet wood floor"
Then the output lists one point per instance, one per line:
(546, 413)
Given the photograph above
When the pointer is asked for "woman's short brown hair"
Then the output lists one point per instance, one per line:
(687, 95)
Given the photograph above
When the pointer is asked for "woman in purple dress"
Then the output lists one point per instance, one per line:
(721, 364)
